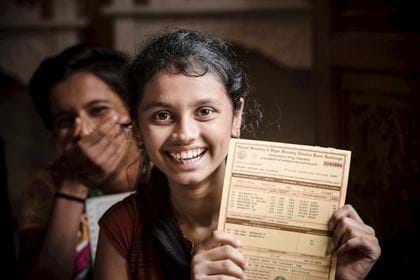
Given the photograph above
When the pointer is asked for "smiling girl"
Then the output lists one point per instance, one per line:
(188, 99)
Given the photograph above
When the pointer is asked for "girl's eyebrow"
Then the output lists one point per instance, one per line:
(212, 101)
(155, 105)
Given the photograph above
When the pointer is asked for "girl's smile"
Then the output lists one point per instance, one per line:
(187, 159)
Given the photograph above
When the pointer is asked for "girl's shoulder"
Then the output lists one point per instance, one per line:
(124, 210)
(119, 223)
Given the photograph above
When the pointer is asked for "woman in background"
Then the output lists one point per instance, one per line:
(82, 100)
(188, 100)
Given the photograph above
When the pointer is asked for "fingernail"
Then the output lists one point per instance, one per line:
(239, 242)
(246, 265)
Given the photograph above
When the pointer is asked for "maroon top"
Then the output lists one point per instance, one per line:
(123, 225)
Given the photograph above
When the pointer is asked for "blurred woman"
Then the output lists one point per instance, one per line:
(82, 100)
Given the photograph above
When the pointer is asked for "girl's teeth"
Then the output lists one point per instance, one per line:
(187, 156)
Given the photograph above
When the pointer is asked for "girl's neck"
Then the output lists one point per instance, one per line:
(197, 206)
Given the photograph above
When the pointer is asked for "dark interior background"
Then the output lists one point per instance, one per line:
(359, 92)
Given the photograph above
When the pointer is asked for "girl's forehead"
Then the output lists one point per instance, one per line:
(173, 76)
(170, 87)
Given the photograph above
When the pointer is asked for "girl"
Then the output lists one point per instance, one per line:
(188, 99)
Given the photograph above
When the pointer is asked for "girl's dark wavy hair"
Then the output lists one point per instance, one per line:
(104, 63)
(190, 53)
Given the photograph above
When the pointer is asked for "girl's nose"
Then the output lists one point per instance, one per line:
(186, 131)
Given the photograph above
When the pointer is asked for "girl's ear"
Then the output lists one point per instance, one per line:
(237, 119)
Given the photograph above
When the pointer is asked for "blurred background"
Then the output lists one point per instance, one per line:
(342, 74)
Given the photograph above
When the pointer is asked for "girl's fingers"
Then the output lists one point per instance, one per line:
(345, 227)
(345, 211)
(222, 253)
(348, 225)
(218, 238)
(218, 256)
(369, 245)
(223, 267)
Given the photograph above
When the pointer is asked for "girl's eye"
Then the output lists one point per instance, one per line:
(205, 112)
(162, 116)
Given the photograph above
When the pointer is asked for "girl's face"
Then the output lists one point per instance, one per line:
(84, 98)
(186, 124)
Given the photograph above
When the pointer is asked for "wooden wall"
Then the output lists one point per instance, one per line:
(366, 83)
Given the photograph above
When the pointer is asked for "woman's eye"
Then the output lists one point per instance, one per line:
(162, 116)
(100, 110)
(64, 122)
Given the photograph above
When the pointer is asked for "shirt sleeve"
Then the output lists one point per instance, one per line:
(118, 224)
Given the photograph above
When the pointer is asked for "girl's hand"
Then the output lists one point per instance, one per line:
(90, 157)
(218, 258)
(355, 244)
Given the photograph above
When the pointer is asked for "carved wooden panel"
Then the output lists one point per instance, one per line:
(367, 81)
(383, 132)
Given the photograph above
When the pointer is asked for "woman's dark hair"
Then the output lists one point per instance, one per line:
(106, 64)
(189, 53)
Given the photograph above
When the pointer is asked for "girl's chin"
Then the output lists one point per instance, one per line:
(185, 180)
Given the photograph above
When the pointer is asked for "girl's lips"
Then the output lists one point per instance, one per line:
(182, 155)
(187, 159)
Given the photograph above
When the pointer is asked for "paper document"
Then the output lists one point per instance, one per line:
(277, 199)
(95, 208)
